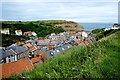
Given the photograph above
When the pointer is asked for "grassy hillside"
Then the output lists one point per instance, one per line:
(101, 33)
(99, 60)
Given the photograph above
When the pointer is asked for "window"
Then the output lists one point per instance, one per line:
(52, 53)
(68, 46)
(63, 49)
(58, 51)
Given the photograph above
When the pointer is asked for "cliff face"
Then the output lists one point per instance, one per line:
(71, 26)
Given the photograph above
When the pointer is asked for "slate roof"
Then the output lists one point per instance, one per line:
(72, 42)
(53, 43)
(59, 49)
(4, 54)
(66, 46)
(43, 49)
(31, 41)
(50, 53)
(17, 49)
(43, 43)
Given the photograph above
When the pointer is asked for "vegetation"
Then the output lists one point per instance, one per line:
(101, 33)
(10, 39)
(42, 28)
(99, 60)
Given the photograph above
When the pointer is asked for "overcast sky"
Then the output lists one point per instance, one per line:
(74, 10)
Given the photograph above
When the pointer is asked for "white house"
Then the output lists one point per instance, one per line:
(115, 26)
(84, 34)
(5, 31)
(33, 33)
(107, 29)
(18, 32)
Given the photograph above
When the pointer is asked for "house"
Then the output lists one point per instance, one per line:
(18, 32)
(86, 42)
(29, 33)
(33, 33)
(47, 42)
(116, 26)
(30, 46)
(3, 56)
(32, 41)
(41, 54)
(84, 34)
(31, 49)
(16, 67)
(107, 29)
(20, 51)
(4, 31)
(35, 61)
(8, 55)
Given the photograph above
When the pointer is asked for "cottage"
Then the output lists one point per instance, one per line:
(20, 51)
(84, 34)
(29, 33)
(18, 32)
(16, 67)
(33, 33)
(41, 54)
(32, 41)
(32, 48)
(4, 31)
(116, 26)
(4, 54)
(35, 61)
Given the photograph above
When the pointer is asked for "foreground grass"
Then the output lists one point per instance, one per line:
(100, 60)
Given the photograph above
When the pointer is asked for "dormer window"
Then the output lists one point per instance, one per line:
(58, 51)
(68, 46)
(63, 49)
(52, 53)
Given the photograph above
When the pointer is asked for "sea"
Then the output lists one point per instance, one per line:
(92, 26)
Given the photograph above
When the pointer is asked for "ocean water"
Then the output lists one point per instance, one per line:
(92, 26)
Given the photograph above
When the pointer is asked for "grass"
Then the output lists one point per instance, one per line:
(99, 60)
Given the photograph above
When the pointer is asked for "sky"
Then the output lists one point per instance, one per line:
(72, 10)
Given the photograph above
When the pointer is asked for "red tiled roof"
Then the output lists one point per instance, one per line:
(78, 42)
(80, 32)
(86, 42)
(45, 40)
(29, 45)
(40, 40)
(18, 30)
(42, 54)
(36, 60)
(16, 67)
(26, 32)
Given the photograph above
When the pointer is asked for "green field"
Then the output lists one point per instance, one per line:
(99, 60)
